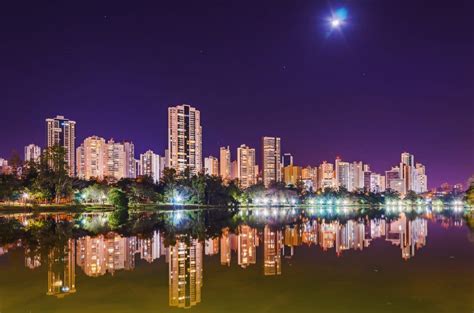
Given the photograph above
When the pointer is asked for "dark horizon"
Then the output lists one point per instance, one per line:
(395, 78)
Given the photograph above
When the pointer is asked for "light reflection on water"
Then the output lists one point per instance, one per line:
(277, 234)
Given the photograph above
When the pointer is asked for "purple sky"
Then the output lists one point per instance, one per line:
(399, 76)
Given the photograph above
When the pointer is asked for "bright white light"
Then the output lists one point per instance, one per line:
(335, 22)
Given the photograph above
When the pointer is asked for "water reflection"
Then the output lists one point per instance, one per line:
(183, 247)
(185, 272)
(62, 270)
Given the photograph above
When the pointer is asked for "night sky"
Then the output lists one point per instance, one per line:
(397, 76)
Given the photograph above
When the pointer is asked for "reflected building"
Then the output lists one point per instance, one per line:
(310, 233)
(271, 251)
(106, 254)
(377, 228)
(327, 234)
(409, 235)
(62, 270)
(32, 258)
(211, 246)
(150, 248)
(185, 272)
(292, 238)
(225, 247)
(350, 236)
(246, 246)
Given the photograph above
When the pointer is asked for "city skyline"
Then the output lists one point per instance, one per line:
(98, 159)
(357, 94)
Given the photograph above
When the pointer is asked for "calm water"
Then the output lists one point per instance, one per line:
(290, 262)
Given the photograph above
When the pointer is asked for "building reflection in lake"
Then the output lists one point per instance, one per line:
(247, 242)
(271, 251)
(110, 252)
(62, 270)
(185, 272)
(225, 247)
(409, 235)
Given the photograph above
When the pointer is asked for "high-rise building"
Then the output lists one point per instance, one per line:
(90, 157)
(4, 167)
(99, 159)
(166, 160)
(407, 171)
(234, 171)
(309, 175)
(393, 180)
(271, 160)
(286, 159)
(246, 166)
(62, 132)
(211, 166)
(119, 160)
(343, 174)
(225, 163)
(185, 138)
(292, 174)
(376, 182)
(357, 175)
(326, 176)
(150, 165)
(32, 153)
(421, 181)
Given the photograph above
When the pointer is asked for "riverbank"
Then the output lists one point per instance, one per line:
(82, 208)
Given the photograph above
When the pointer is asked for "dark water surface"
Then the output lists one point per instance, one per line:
(294, 264)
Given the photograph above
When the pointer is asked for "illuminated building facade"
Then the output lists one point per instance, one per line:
(150, 165)
(211, 166)
(32, 153)
(225, 163)
(271, 160)
(185, 139)
(246, 166)
(62, 132)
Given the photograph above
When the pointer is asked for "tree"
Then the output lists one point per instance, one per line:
(53, 181)
(412, 196)
(10, 187)
(15, 162)
(119, 200)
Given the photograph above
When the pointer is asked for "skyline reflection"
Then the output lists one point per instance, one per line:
(265, 243)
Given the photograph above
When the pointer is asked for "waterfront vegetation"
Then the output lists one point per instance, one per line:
(46, 184)
(43, 229)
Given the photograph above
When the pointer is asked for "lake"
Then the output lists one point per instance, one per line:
(260, 260)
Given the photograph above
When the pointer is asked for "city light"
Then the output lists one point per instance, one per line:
(335, 22)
